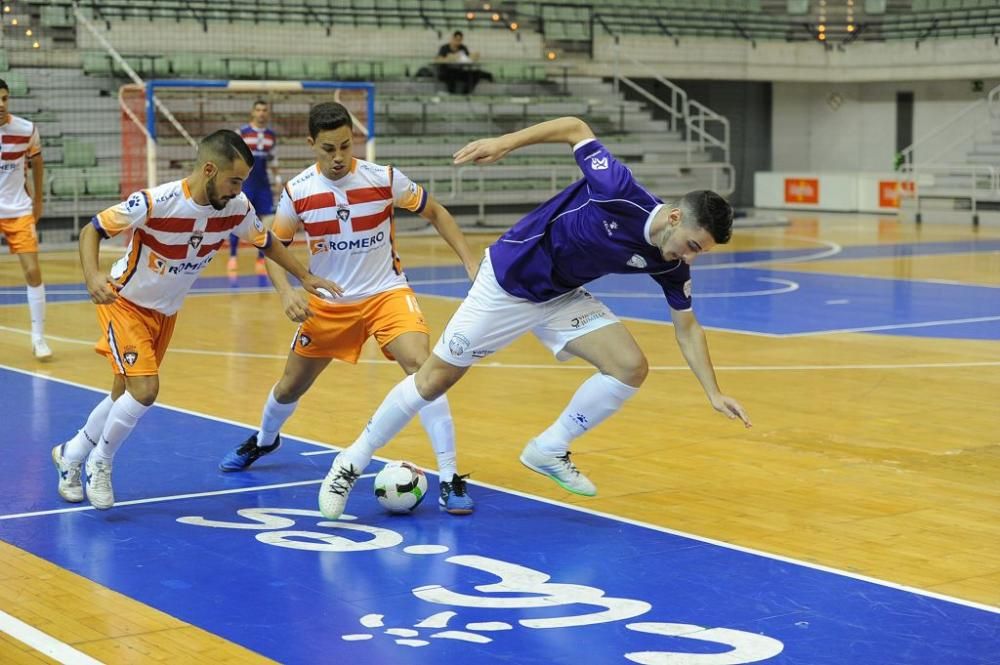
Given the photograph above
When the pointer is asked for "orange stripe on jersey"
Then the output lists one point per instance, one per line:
(14, 138)
(368, 194)
(329, 227)
(315, 202)
(368, 222)
(208, 249)
(223, 223)
(171, 224)
(133, 261)
(161, 248)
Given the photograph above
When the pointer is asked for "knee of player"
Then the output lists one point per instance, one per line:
(33, 276)
(144, 394)
(634, 371)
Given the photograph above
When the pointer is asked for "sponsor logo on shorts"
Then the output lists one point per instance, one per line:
(130, 356)
(458, 345)
(581, 321)
(304, 340)
(637, 261)
(482, 353)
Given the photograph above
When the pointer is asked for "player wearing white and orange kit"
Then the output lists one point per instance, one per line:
(177, 229)
(346, 207)
(19, 213)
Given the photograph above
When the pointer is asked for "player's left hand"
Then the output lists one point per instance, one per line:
(323, 288)
(483, 151)
(731, 409)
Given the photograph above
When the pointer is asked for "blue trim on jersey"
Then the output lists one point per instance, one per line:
(100, 229)
(423, 202)
(267, 243)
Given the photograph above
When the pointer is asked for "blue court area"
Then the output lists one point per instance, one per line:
(248, 557)
(737, 292)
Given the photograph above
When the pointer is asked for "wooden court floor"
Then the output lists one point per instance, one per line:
(873, 454)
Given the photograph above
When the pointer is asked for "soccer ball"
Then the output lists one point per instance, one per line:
(400, 487)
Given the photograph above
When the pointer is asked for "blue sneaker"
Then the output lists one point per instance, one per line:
(454, 496)
(248, 453)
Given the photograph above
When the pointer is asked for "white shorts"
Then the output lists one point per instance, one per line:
(490, 318)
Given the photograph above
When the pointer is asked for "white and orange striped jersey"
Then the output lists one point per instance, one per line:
(18, 142)
(174, 239)
(350, 224)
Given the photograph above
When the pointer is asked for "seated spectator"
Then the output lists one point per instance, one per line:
(457, 67)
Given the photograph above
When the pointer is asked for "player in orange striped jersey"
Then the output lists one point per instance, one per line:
(178, 227)
(346, 207)
(19, 213)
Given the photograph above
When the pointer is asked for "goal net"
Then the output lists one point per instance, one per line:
(163, 120)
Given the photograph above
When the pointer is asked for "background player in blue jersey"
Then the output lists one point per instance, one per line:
(531, 280)
(262, 141)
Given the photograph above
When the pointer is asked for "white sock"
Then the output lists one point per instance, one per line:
(77, 448)
(436, 419)
(397, 409)
(274, 417)
(122, 419)
(36, 304)
(599, 397)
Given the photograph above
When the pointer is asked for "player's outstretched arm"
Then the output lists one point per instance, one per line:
(447, 228)
(98, 283)
(568, 130)
(317, 286)
(694, 347)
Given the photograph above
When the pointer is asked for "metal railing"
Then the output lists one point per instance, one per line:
(983, 184)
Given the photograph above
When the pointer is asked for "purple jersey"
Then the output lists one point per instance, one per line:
(597, 226)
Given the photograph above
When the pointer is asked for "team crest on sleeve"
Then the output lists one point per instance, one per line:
(599, 164)
(687, 289)
(133, 202)
(637, 262)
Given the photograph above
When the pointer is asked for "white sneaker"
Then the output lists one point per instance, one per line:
(70, 486)
(336, 486)
(41, 349)
(559, 468)
(99, 490)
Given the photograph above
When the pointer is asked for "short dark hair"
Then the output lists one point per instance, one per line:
(326, 116)
(457, 33)
(711, 212)
(3, 85)
(224, 145)
(261, 101)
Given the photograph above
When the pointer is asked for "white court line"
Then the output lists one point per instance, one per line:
(540, 366)
(789, 286)
(42, 642)
(896, 326)
(569, 506)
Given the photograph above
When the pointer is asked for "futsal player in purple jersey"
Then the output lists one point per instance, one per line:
(531, 280)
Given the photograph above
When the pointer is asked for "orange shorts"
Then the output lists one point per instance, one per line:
(135, 339)
(340, 331)
(20, 234)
